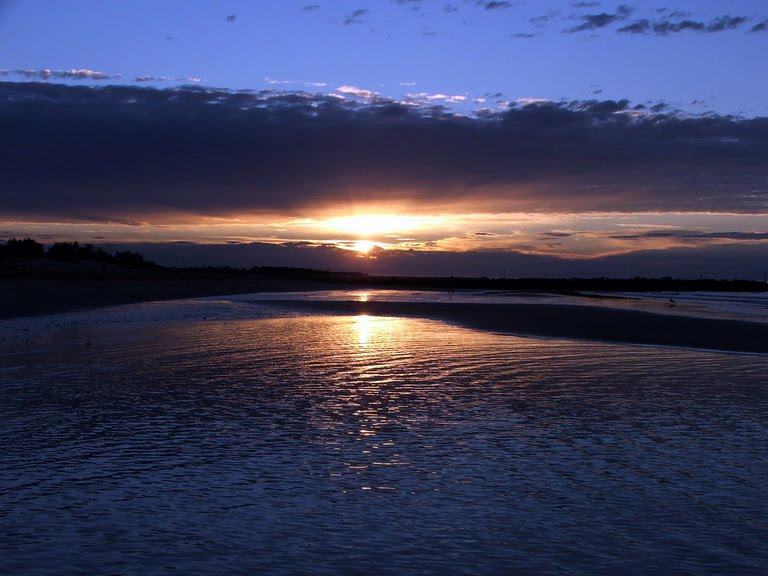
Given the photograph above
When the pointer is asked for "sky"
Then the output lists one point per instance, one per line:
(464, 137)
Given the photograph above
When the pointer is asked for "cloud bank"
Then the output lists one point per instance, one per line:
(670, 26)
(133, 153)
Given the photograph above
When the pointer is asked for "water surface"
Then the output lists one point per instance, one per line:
(362, 445)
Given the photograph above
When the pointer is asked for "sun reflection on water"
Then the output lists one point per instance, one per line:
(377, 332)
(363, 328)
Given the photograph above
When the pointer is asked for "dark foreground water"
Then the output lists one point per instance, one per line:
(338, 445)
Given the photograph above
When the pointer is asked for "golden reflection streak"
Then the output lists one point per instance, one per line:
(370, 330)
(363, 328)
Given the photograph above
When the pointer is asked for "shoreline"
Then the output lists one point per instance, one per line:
(29, 298)
(578, 322)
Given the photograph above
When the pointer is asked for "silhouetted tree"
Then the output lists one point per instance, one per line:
(26, 248)
(67, 251)
(131, 260)
(73, 251)
(89, 252)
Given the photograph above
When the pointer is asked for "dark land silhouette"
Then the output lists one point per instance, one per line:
(70, 276)
(19, 254)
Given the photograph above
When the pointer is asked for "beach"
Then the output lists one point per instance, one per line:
(610, 318)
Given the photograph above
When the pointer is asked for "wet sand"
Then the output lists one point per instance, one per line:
(564, 321)
(23, 297)
(20, 297)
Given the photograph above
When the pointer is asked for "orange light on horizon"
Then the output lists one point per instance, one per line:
(371, 224)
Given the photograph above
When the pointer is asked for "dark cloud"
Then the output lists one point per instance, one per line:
(596, 21)
(643, 26)
(140, 153)
(231, 18)
(311, 7)
(450, 8)
(496, 5)
(669, 25)
(355, 17)
(670, 22)
(585, 4)
(760, 26)
(726, 23)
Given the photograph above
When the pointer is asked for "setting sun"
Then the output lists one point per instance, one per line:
(363, 246)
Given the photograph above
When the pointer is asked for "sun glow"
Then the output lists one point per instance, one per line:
(363, 246)
(370, 224)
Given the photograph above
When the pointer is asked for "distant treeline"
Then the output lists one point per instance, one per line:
(573, 285)
(14, 250)
(558, 285)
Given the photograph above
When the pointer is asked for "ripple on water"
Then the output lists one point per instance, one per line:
(377, 445)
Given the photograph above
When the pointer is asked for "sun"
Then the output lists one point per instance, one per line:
(363, 246)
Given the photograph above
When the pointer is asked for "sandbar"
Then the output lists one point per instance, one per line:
(567, 321)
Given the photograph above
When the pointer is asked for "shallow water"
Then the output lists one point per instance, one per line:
(749, 306)
(359, 445)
